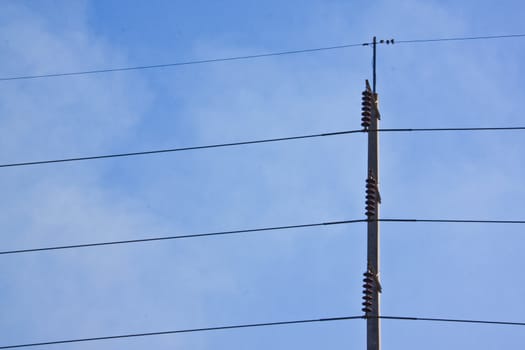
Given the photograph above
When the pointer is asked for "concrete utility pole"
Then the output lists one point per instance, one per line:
(372, 286)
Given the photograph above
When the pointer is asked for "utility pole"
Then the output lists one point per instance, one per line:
(372, 286)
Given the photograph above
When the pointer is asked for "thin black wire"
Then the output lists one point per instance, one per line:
(209, 234)
(507, 128)
(243, 143)
(192, 148)
(186, 63)
(193, 330)
(246, 57)
(460, 38)
(459, 221)
(266, 324)
(403, 318)
(274, 228)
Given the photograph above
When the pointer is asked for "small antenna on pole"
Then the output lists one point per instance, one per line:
(374, 44)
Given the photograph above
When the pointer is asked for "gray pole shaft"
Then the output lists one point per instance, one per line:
(373, 322)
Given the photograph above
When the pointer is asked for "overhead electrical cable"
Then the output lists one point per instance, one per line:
(208, 234)
(183, 63)
(248, 57)
(456, 221)
(505, 128)
(404, 318)
(253, 230)
(192, 330)
(181, 149)
(254, 325)
(251, 142)
(465, 38)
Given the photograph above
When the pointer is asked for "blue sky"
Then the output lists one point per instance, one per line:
(427, 270)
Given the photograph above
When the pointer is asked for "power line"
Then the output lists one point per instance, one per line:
(465, 38)
(247, 57)
(192, 330)
(254, 325)
(253, 230)
(185, 63)
(464, 221)
(506, 128)
(181, 149)
(252, 142)
(208, 234)
(506, 323)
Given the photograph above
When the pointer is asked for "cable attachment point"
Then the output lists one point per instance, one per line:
(372, 197)
(369, 107)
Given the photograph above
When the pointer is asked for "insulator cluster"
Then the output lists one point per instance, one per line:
(372, 197)
(388, 41)
(366, 108)
(368, 291)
